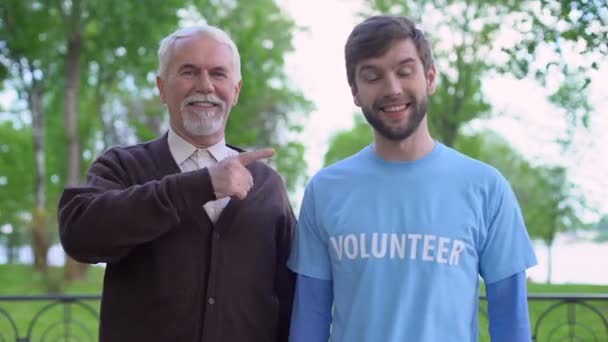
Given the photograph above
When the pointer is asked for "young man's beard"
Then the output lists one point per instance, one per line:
(418, 111)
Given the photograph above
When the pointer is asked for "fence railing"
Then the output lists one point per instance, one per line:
(562, 317)
(554, 317)
(49, 318)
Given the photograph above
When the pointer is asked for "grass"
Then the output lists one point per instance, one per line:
(554, 326)
(22, 280)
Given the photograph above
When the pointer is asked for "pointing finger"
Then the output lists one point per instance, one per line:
(247, 158)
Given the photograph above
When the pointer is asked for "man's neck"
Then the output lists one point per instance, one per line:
(201, 142)
(414, 147)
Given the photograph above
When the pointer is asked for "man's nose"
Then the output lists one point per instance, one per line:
(393, 85)
(204, 83)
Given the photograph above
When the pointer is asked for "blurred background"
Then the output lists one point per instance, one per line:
(522, 86)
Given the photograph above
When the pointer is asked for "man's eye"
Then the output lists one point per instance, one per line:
(219, 75)
(370, 77)
(404, 72)
(187, 72)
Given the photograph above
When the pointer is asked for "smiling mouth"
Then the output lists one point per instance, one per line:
(395, 108)
(203, 104)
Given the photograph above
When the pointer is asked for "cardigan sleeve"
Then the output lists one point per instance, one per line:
(102, 220)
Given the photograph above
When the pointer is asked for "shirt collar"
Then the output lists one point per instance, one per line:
(182, 150)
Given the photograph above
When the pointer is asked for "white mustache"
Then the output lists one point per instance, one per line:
(203, 98)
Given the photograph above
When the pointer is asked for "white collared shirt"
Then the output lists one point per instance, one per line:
(190, 158)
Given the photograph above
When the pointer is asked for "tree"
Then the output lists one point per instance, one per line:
(102, 73)
(579, 26)
(86, 24)
(544, 192)
(16, 186)
(30, 66)
(474, 38)
(269, 109)
(462, 45)
(602, 229)
(346, 143)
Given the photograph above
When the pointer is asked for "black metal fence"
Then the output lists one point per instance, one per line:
(554, 318)
(562, 317)
(55, 318)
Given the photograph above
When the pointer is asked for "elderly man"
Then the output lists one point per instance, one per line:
(195, 233)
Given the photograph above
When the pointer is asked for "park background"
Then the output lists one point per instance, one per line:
(522, 86)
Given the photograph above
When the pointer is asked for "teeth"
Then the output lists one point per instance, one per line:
(394, 108)
(202, 103)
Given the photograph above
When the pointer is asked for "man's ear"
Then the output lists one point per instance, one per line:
(160, 85)
(237, 92)
(431, 79)
(355, 93)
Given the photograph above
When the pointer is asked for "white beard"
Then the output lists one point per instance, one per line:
(202, 123)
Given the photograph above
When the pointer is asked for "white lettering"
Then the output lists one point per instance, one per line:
(442, 250)
(337, 245)
(457, 248)
(350, 246)
(364, 253)
(379, 252)
(398, 245)
(428, 247)
(433, 248)
(414, 242)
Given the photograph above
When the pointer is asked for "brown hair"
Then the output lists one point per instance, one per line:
(375, 35)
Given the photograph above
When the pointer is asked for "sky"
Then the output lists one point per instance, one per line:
(524, 116)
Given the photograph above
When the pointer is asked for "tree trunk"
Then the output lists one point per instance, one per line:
(40, 232)
(12, 248)
(40, 239)
(549, 262)
(73, 269)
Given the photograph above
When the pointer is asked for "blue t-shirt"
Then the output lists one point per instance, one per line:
(405, 242)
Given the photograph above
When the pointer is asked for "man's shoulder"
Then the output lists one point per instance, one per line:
(346, 165)
(460, 162)
(137, 149)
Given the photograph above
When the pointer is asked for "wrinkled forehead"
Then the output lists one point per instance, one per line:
(201, 50)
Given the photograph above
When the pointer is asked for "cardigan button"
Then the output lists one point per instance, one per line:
(211, 300)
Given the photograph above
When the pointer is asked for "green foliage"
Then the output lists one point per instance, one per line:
(268, 105)
(16, 173)
(462, 59)
(22, 280)
(602, 229)
(572, 97)
(469, 41)
(16, 184)
(117, 101)
(291, 162)
(584, 317)
(544, 193)
(347, 143)
(579, 26)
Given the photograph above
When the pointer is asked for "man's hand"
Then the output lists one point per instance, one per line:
(230, 177)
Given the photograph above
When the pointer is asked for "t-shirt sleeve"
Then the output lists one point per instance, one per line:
(309, 255)
(506, 249)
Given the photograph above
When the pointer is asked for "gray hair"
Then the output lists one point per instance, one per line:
(164, 51)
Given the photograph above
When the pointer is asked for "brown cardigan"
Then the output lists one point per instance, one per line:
(172, 275)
